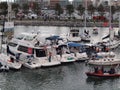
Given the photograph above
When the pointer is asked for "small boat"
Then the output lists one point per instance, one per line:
(7, 60)
(64, 54)
(74, 35)
(78, 50)
(102, 73)
(85, 37)
(104, 61)
(105, 75)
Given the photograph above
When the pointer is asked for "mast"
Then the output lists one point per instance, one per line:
(110, 25)
(119, 20)
(9, 10)
(85, 14)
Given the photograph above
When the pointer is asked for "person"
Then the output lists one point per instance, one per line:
(102, 68)
(100, 71)
(60, 52)
(96, 69)
(17, 56)
(112, 71)
(50, 55)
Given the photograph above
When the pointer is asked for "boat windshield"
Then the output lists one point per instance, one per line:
(29, 38)
(40, 53)
(12, 44)
(20, 37)
(75, 34)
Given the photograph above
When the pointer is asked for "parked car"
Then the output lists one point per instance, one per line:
(32, 16)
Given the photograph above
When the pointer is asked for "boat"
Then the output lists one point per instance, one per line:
(104, 61)
(33, 52)
(106, 75)
(74, 35)
(85, 37)
(112, 44)
(64, 54)
(78, 50)
(103, 73)
(54, 40)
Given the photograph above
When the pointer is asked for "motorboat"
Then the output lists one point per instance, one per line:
(8, 61)
(54, 40)
(33, 52)
(104, 61)
(74, 35)
(85, 37)
(105, 75)
(64, 54)
(78, 50)
(112, 44)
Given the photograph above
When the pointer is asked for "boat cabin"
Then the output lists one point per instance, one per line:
(74, 33)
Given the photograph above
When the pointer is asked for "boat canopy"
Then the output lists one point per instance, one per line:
(55, 37)
(72, 44)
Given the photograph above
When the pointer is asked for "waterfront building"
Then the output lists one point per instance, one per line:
(53, 3)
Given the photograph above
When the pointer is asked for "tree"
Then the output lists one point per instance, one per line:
(58, 9)
(113, 10)
(91, 9)
(70, 9)
(36, 7)
(15, 7)
(101, 9)
(81, 9)
(25, 7)
(3, 7)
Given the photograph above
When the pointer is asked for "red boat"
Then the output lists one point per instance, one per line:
(103, 75)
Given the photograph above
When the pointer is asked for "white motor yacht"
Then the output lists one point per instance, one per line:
(74, 35)
(33, 53)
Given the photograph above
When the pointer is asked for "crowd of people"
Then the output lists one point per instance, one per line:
(102, 71)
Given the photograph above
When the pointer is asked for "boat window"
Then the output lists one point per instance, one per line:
(75, 34)
(29, 38)
(40, 53)
(26, 49)
(12, 44)
(74, 30)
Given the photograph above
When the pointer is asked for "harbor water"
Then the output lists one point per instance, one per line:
(64, 77)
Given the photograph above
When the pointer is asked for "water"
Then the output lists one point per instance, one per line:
(65, 77)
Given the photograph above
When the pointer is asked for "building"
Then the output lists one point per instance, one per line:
(53, 3)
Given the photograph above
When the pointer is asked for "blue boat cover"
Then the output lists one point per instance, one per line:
(73, 44)
(55, 37)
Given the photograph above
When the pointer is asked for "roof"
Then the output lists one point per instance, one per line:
(72, 44)
(55, 37)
